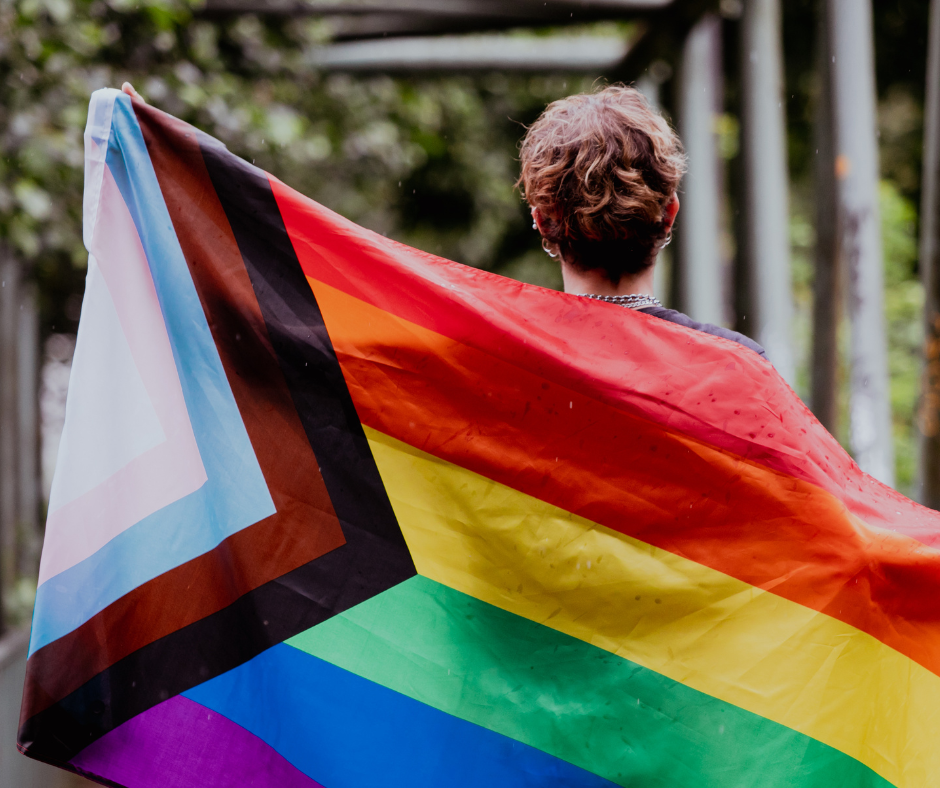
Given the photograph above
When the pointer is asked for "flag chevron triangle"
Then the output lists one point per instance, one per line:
(346, 530)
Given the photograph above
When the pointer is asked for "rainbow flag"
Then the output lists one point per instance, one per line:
(330, 511)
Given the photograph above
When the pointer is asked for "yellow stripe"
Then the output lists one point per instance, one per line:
(748, 647)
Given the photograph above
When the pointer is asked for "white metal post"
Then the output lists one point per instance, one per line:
(27, 361)
(851, 51)
(701, 275)
(828, 284)
(766, 210)
(9, 281)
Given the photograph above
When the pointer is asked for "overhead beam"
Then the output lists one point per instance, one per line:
(369, 19)
(348, 27)
(354, 27)
(520, 9)
(592, 54)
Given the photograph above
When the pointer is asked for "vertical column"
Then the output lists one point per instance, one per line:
(828, 288)
(765, 229)
(929, 416)
(9, 280)
(701, 275)
(649, 85)
(851, 49)
(27, 361)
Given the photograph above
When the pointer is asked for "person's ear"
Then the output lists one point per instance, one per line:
(670, 211)
(537, 220)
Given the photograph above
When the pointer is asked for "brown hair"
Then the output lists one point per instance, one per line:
(600, 168)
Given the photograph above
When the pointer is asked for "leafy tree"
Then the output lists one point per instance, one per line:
(429, 161)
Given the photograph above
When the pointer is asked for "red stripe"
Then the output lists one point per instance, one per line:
(711, 389)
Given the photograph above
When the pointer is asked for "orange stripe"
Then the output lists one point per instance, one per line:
(659, 486)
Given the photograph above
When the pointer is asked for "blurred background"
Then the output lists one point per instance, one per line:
(810, 214)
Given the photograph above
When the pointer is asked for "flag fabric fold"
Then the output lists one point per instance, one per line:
(330, 511)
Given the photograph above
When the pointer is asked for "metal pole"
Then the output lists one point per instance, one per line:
(828, 288)
(765, 227)
(9, 279)
(853, 80)
(593, 54)
(29, 537)
(701, 275)
(929, 416)
(649, 85)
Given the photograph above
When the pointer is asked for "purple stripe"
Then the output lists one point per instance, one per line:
(179, 744)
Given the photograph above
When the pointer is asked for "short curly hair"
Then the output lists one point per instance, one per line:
(600, 168)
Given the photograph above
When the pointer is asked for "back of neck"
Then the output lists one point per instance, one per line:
(596, 282)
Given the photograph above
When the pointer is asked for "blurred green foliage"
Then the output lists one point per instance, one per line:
(430, 162)
(904, 305)
(900, 125)
(904, 308)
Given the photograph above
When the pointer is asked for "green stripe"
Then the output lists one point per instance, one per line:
(571, 699)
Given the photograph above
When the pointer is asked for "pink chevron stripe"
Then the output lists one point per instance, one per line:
(173, 468)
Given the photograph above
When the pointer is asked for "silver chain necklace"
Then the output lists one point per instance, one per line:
(631, 301)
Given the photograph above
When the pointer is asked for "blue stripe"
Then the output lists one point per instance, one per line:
(347, 732)
(235, 495)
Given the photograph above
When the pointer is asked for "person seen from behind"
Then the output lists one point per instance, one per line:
(600, 172)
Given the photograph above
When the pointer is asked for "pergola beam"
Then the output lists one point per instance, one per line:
(369, 26)
(369, 19)
(475, 53)
(372, 26)
(531, 10)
